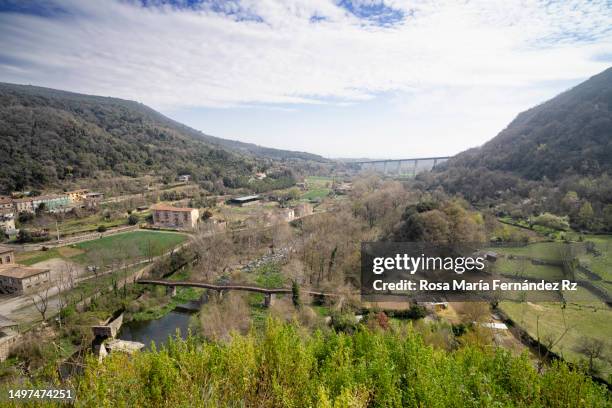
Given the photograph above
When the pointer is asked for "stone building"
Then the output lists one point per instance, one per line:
(183, 218)
(8, 337)
(19, 279)
(7, 255)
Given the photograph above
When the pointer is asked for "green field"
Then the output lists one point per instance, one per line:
(32, 257)
(587, 320)
(318, 187)
(524, 268)
(128, 245)
(549, 251)
(601, 265)
(585, 316)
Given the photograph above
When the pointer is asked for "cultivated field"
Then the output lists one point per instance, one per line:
(584, 318)
(128, 245)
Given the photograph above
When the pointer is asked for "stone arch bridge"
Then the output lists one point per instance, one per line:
(269, 294)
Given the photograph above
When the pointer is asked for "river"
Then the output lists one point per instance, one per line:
(156, 330)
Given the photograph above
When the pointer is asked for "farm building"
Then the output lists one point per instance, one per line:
(245, 200)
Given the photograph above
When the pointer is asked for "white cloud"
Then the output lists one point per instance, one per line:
(311, 75)
(178, 57)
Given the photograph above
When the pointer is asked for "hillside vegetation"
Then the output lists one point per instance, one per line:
(50, 137)
(554, 158)
(284, 367)
(568, 135)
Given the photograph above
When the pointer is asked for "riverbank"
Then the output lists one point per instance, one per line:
(156, 307)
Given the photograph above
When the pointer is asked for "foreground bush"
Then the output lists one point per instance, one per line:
(284, 367)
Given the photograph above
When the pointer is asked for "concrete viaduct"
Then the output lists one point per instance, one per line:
(402, 167)
(268, 293)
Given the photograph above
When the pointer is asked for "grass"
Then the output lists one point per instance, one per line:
(166, 304)
(585, 315)
(88, 224)
(269, 276)
(88, 287)
(318, 187)
(134, 244)
(161, 304)
(548, 251)
(585, 320)
(524, 268)
(140, 242)
(601, 265)
(315, 193)
(32, 257)
(72, 225)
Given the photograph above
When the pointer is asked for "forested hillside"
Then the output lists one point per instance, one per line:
(568, 135)
(556, 157)
(50, 136)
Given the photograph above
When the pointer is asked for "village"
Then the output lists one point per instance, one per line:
(177, 247)
(43, 232)
(79, 242)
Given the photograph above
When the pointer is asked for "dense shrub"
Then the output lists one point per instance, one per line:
(283, 367)
(551, 221)
(133, 219)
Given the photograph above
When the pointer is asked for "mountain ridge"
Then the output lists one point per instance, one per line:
(52, 136)
(568, 134)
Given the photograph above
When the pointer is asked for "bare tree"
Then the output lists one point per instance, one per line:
(65, 283)
(40, 300)
(549, 341)
(593, 349)
(215, 253)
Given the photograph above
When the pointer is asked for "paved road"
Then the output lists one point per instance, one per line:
(21, 308)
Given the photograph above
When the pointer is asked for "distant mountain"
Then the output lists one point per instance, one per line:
(570, 134)
(49, 136)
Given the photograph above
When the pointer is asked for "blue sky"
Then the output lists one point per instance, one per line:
(364, 78)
